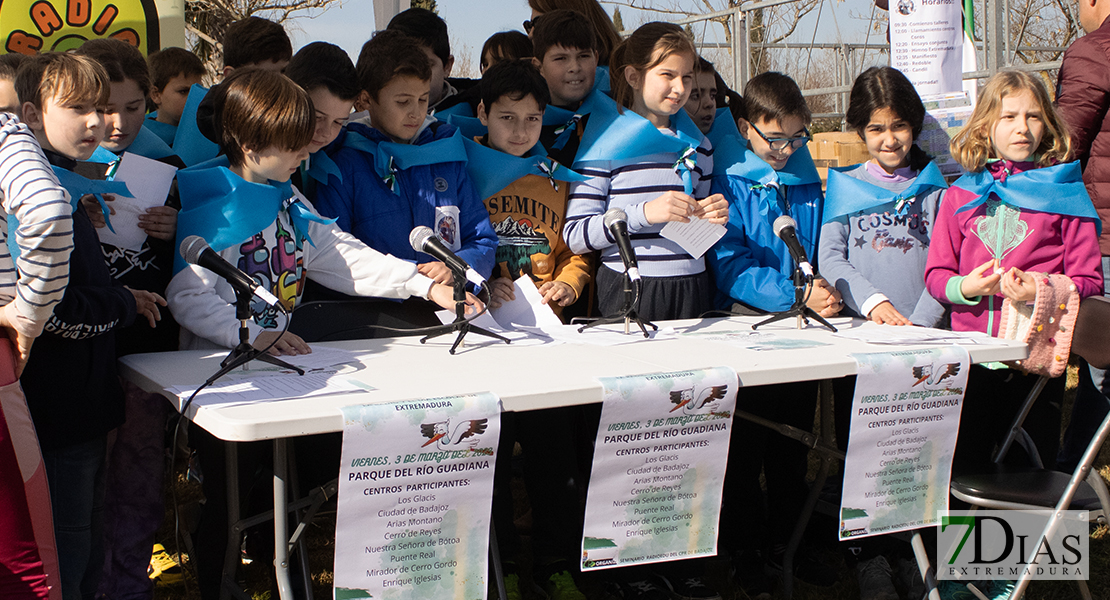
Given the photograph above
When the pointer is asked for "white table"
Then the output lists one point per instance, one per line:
(524, 377)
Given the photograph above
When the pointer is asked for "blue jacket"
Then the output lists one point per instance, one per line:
(750, 264)
(364, 206)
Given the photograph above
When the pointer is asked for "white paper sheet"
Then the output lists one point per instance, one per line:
(891, 335)
(486, 321)
(323, 357)
(695, 237)
(265, 386)
(149, 182)
(527, 310)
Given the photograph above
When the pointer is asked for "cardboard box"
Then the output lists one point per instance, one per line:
(838, 149)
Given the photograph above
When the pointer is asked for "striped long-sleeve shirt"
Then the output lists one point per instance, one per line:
(629, 185)
(30, 191)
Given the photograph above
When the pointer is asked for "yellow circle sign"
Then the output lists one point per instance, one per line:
(32, 26)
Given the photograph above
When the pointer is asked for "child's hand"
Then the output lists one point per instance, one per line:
(289, 344)
(559, 292)
(885, 314)
(146, 304)
(824, 299)
(713, 209)
(20, 343)
(501, 291)
(1018, 286)
(671, 206)
(444, 296)
(979, 283)
(159, 222)
(92, 208)
(437, 271)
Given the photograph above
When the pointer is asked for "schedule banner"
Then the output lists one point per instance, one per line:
(905, 418)
(926, 44)
(415, 489)
(658, 472)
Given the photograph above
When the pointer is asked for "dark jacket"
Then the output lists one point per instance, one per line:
(1083, 97)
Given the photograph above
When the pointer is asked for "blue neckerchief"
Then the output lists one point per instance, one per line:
(848, 195)
(492, 170)
(723, 126)
(148, 145)
(79, 186)
(321, 167)
(733, 158)
(470, 127)
(390, 158)
(190, 144)
(462, 109)
(567, 120)
(103, 155)
(165, 131)
(226, 209)
(614, 135)
(601, 80)
(1057, 189)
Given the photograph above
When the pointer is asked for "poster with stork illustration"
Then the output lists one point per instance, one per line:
(658, 472)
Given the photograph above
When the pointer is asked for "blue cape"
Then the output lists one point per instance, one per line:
(735, 159)
(492, 170)
(189, 143)
(226, 209)
(1057, 189)
(848, 195)
(391, 157)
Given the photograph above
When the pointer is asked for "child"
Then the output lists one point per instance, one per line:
(173, 72)
(33, 282)
(874, 243)
(266, 123)
(997, 226)
(607, 36)
(133, 502)
(771, 177)
(401, 169)
(9, 65)
(326, 72)
(513, 99)
(513, 96)
(875, 239)
(565, 51)
(652, 74)
(62, 96)
(430, 32)
(702, 104)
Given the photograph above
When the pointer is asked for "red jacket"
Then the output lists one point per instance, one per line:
(1083, 97)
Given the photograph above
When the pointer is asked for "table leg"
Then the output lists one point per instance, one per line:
(281, 523)
(234, 533)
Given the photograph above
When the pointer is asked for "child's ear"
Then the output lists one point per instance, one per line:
(483, 114)
(156, 97)
(537, 62)
(32, 117)
(632, 76)
(362, 102)
(228, 70)
(447, 66)
(745, 128)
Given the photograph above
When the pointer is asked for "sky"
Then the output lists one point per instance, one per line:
(470, 22)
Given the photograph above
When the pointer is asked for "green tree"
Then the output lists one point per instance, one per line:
(618, 22)
(428, 4)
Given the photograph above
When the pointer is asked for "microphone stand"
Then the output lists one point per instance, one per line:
(627, 313)
(799, 309)
(460, 324)
(244, 353)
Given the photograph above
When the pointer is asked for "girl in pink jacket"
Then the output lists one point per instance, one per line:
(1019, 216)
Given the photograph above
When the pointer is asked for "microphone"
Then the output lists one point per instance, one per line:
(196, 251)
(784, 227)
(616, 221)
(422, 239)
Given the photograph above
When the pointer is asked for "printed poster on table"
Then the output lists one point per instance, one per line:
(415, 486)
(905, 418)
(926, 43)
(655, 488)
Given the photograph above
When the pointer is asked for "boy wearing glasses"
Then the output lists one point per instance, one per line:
(765, 174)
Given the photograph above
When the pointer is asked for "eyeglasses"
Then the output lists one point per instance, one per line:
(527, 26)
(780, 144)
